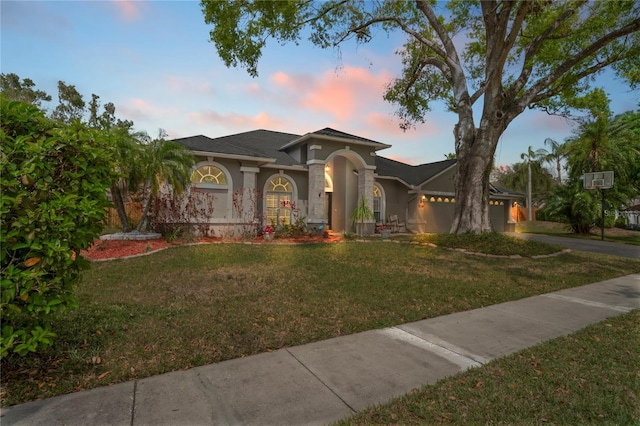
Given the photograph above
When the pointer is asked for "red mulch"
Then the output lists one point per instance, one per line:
(115, 249)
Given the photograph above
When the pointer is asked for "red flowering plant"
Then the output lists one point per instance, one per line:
(267, 229)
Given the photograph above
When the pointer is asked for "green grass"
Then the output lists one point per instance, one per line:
(490, 243)
(589, 377)
(190, 306)
(615, 235)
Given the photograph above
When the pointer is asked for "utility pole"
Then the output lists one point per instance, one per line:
(529, 203)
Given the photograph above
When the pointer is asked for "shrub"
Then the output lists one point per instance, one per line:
(573, 205)
(609, 219)
(183, 215)
(620, 222)
(54, 181)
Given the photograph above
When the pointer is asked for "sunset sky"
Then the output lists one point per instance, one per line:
(154, 61)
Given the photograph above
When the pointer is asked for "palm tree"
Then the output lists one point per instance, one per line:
(531, 156)
(127, 148)
(608, 144)
(591, 150)
(162, 161)
(555, 155)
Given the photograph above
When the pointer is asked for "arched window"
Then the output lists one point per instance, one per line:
(213, 178)
(278, 200)
(377, 203)
(209, 174)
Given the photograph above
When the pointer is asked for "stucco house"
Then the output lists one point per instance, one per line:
(321, 176)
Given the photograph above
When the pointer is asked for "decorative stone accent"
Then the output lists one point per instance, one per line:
(134, 235)
(316, 193)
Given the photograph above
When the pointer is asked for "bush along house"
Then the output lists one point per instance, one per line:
(265, 178)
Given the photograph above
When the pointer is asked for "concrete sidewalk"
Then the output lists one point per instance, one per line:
(325, 381)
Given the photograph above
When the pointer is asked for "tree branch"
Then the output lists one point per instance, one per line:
(458, 79)
(511, 38)
(428, 43)
(443, 35)
(534, 47)
(577, 77)
(324, 12)
(562, 69)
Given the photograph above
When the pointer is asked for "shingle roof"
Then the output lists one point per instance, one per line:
(413, 175)
(268, 144)
(256, 143)
(327, 131)
(498, 190)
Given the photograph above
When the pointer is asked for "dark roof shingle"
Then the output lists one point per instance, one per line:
(413, 175)
(256, 143)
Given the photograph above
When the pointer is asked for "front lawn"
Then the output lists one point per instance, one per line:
(614, 235)
(189, 306)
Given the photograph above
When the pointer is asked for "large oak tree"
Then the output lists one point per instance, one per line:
(506, 56)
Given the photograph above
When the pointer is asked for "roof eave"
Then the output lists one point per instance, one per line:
(405, 183)
(261, 160)
(377, 145)
(436, 175)
(285, 167)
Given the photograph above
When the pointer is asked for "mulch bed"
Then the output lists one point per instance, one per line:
(116, 249)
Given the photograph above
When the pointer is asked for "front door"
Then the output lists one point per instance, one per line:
(328, 207)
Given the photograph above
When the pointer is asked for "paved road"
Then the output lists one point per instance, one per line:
(594, 246)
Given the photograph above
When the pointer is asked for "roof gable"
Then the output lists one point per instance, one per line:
(413, 175)
(331, 134)
(256, 143)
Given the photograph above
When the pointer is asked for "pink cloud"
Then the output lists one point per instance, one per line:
(400, 158)
(129, 10)
(253, 88)
(140, 109)
(387, 125)
(343, 95)
(238, 122)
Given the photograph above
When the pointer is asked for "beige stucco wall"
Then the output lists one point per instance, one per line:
(432, 216)
(443, 182)
(322, 150)
(396, 197)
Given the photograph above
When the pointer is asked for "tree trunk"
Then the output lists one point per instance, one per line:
(118, 202)
(148, 195)
(474, 149)
(472, 195)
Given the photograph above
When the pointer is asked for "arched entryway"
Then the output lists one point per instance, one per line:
(347, 178)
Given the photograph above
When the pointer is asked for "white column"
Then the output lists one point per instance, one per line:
(316, 194)
(249, 198)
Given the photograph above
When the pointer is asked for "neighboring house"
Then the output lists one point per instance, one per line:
(631, 213)
(263, 175)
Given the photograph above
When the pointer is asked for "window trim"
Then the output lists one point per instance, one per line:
(266, 191)
(211, 185)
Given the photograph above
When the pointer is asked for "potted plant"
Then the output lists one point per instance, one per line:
(267, 233)
(360, 215)
(383, 231)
